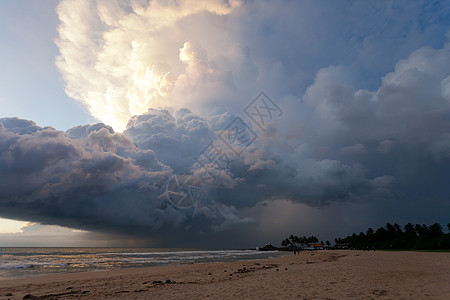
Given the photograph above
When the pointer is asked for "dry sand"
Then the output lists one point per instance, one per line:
(341, 274)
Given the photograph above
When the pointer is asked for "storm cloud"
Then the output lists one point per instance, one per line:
(363, 127)
(91, 178)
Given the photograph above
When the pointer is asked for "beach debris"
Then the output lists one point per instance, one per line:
(69, 288)
(161, 282)
(55, 296)
(209, 273)
(333, 258)
(380, 292)
(246, 270)
(285, 269)
(270, 266)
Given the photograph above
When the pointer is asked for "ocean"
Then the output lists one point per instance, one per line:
(24, 262)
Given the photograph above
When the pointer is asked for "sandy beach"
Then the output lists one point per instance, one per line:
(340, 274)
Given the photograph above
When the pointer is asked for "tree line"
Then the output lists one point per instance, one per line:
(390, 236)
(393, 236)
(294, 241)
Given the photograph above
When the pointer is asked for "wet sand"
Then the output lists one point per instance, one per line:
(341, 274)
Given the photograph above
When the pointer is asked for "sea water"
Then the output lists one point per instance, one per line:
(24, 262)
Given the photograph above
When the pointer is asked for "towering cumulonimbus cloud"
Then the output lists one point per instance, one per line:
(368, 129)
(120, 58)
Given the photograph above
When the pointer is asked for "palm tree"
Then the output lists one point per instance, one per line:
(285, 242)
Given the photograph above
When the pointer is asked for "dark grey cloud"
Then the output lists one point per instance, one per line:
(94, 179)
(388, 147)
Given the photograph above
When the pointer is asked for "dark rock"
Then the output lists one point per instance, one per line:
(268, 247)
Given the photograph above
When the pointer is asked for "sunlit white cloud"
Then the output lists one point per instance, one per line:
(36, 235)
(122, 57)
(10, 226)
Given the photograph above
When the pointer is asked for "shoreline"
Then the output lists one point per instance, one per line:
(58, 274)
(37, 262)
(324, 274)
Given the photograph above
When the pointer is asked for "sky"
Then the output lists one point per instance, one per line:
(220, 123)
